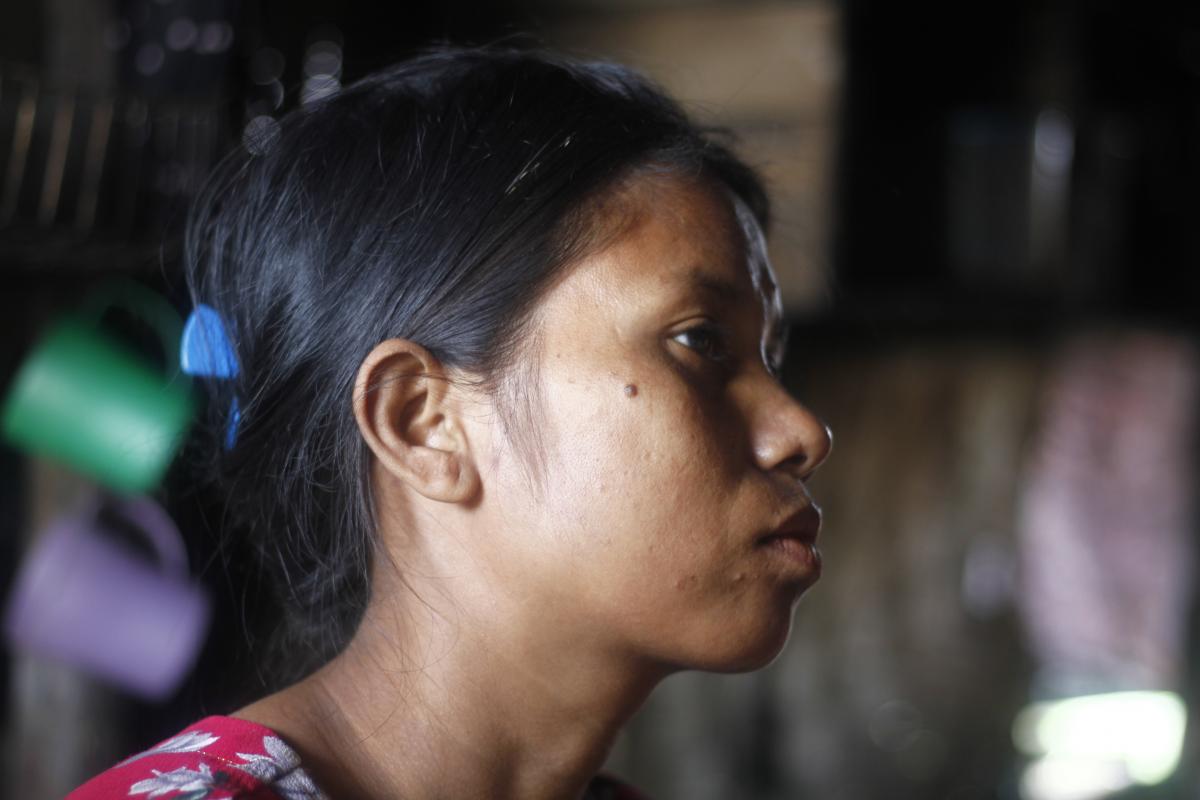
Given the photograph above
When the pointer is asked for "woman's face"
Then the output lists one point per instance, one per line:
(669, 448)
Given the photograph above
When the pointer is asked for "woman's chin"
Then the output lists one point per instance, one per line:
(756, 658)
(743, 648)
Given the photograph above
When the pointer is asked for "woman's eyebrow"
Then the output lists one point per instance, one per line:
(720, 287)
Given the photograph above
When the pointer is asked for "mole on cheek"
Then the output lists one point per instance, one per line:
(630, 390)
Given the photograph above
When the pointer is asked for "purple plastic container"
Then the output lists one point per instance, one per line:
(83, 598)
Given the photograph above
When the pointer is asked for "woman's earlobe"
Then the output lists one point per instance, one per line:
(409, 418)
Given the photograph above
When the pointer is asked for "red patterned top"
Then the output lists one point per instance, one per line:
(221, 758)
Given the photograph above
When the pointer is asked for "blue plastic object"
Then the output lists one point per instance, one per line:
(205, 351)
(235, 417)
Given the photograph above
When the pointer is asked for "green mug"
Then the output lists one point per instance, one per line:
(83, 398)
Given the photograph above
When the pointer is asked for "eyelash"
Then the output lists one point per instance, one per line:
(718, 344)
(716, 350)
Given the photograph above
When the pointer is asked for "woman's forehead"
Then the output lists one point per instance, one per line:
(691, 236)
(689, 214)
(678, 250)
(758, 265)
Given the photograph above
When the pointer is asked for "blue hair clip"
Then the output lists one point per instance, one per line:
(205, 351)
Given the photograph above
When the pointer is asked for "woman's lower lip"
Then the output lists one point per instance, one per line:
(797, 553)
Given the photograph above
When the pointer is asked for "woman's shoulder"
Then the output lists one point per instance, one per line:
(217, 758)
(225, 758)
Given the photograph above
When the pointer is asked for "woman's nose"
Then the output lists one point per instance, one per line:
(789, 437)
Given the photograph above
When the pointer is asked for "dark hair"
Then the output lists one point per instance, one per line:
(435, 201)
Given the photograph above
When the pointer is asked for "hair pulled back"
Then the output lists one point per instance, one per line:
(435, 201)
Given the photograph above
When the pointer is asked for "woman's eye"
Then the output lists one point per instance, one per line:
(705, 340)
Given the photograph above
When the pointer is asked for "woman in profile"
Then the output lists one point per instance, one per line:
(506, 429)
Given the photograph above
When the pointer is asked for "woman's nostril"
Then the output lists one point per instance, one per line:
(797, 466)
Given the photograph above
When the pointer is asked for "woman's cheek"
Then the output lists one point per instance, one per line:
(631, 456)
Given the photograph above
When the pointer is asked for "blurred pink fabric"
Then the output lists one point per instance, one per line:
(1106, 516)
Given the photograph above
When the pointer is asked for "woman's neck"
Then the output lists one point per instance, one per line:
(433, 700)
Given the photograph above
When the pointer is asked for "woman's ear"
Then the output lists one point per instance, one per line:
(411, 421)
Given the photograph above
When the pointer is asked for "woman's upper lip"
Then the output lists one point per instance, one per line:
(804, 524)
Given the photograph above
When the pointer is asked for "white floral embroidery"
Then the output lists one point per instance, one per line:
(177, 780)
(188, 742)
(280, 769)
(279, 758)
(298, 786)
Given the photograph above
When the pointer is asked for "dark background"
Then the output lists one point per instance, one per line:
(944, 252)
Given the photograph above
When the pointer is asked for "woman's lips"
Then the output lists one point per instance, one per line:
(797, 553)
(794, 542)
(803, 524)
